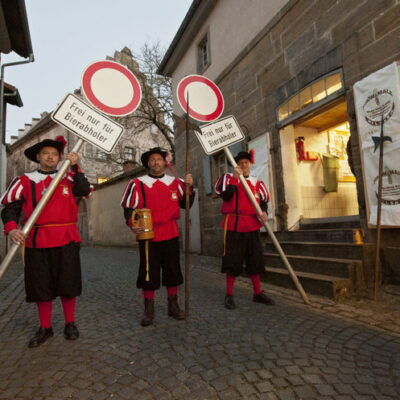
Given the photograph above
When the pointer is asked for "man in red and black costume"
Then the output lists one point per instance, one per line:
(242, 225)
(51, 249)
(163, 194)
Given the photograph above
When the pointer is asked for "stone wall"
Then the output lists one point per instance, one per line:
(209, 205)
(307, 39)
(106, 220)
(217, 24)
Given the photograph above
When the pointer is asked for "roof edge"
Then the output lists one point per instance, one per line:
(25, 27)
(36, 129)
(208, 4)
(12, 95)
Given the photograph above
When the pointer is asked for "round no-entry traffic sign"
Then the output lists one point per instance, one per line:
(111, 88)
(205, 99)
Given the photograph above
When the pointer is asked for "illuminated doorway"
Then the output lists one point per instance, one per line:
(318, 179)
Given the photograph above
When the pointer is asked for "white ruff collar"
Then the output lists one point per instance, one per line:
(37, 177)
(149, 181)
(252, 179)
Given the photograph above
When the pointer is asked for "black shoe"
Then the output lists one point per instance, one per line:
(40, 337)
(229, 303)
(71, 331)
(263, 298)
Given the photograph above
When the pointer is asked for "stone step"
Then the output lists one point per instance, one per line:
(350, 269)
(351, 221)
(346, 235)
(323, 285)
(319, 249)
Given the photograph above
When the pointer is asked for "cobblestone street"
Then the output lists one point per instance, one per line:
(289, 351)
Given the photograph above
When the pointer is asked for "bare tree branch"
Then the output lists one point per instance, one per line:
(156, 105)
(157, 101)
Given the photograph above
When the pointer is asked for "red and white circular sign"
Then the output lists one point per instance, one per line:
(111, 88)
(205, 99)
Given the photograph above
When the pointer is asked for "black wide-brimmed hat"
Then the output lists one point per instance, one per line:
(155, 150)
(244, 155)
(59, 144)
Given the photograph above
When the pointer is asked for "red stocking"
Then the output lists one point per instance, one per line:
(255, 279)
(148, 294)
(230, 280)
(172, 290)
(69, 309)
(44, 308)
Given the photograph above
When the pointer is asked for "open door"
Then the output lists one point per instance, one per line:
(262, 170)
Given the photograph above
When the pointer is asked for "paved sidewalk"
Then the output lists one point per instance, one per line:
(383, 314)
(289, 351)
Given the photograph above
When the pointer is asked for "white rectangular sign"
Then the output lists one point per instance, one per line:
(377, 94)
(217, 135)
(87, 123)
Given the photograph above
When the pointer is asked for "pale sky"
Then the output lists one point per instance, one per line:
(68, 36)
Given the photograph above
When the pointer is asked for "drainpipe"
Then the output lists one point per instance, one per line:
(2, 102)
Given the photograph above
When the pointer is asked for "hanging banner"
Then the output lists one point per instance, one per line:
(375, 96)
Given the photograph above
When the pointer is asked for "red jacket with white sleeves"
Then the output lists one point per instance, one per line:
(163, 195)
(56, 225)
(236, 206)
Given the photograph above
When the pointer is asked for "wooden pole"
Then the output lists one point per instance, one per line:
(187, 208)
(267, 227)
(378, 218)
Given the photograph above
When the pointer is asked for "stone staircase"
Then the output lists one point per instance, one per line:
(328, 256)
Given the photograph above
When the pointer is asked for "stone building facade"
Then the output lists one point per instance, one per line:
(98, 166)
(286, 69)
(106, 222)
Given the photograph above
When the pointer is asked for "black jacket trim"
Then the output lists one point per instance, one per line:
(34, 204)
(143, 193)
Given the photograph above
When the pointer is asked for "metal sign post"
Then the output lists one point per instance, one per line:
(39, 208)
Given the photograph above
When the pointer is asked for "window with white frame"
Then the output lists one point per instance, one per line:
(203, 53)
(129, 154)
(314, 95)
(101, 155)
